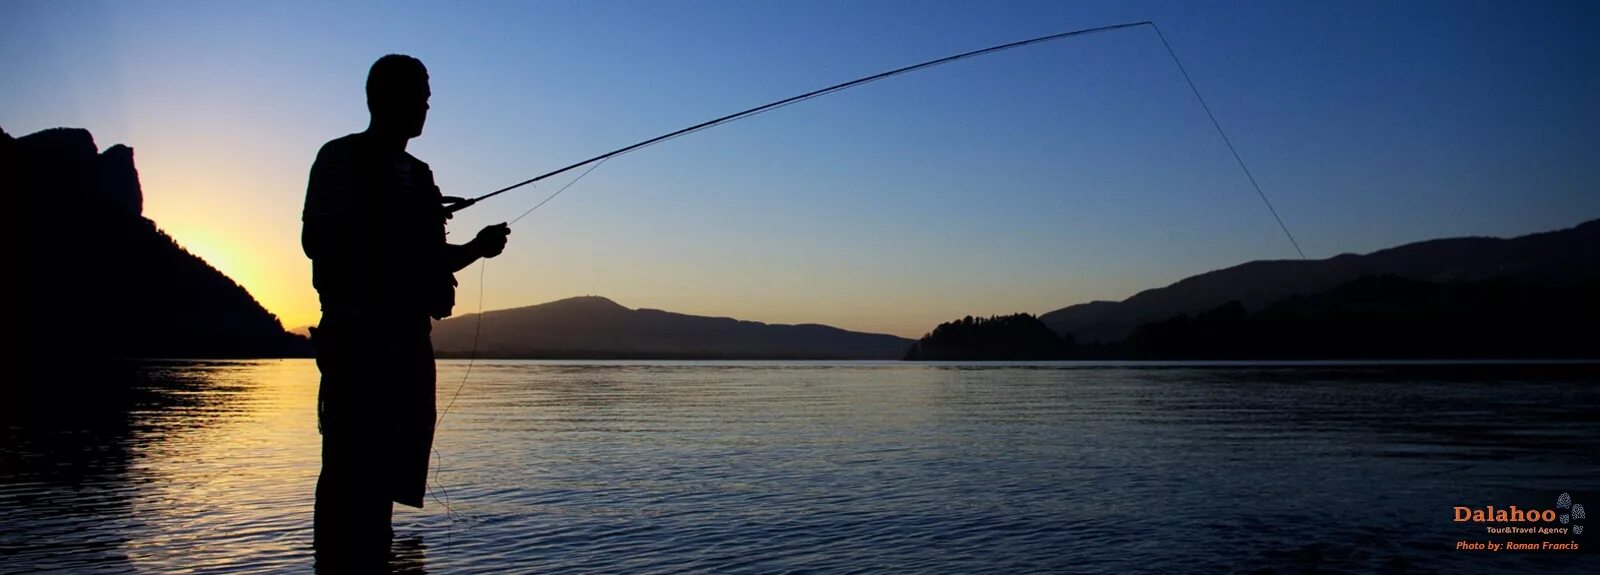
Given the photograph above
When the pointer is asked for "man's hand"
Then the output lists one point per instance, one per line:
(452, 204)
(491, 240)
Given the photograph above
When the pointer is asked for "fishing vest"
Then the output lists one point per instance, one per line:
(393, 264)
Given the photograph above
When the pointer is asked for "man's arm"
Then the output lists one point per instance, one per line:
(489, 243)
(458, 257)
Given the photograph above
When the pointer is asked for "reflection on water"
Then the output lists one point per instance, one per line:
(155, 466)
(593, 467)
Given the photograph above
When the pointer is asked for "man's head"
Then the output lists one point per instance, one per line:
(397, 95)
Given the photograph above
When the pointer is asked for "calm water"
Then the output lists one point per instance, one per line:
(819, 468)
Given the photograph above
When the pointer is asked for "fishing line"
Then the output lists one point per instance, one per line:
(1225, 140)
(558, 192)
(477, 331)
(764, 108)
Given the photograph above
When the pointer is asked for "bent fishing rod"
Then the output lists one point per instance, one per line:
(792, 100)
(460, 204)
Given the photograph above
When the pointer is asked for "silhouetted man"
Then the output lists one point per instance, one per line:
(375, 233)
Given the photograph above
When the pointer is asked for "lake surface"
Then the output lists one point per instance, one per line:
(685, 467)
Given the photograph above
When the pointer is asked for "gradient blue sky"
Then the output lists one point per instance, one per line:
(1024, 181)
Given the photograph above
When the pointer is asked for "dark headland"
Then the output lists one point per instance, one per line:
(97, 279)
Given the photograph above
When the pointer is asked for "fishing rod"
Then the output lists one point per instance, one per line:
(791, 100)
(458, 204)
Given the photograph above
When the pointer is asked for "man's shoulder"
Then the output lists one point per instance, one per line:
(339, 148)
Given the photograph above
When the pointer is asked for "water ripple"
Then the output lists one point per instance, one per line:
(771, 467)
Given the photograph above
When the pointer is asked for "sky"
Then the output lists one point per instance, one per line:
(1020, 182)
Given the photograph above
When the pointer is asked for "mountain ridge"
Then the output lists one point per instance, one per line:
(598, 327)
(1554, 257)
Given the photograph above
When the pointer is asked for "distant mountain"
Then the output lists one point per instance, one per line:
(596, 327)
(1387, 317)
(95, 278)
(1558, 258)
